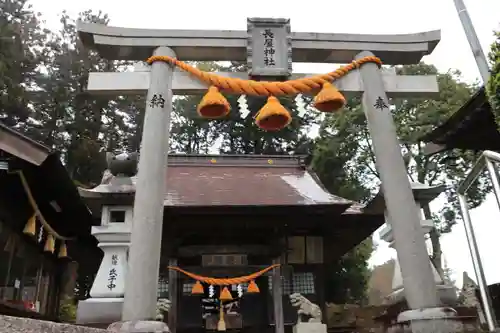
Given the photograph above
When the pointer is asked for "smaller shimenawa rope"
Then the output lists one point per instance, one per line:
(35, 207)
(224, 281)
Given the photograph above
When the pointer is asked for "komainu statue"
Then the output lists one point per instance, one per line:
(117, 178)
(305, 308)
(162, 307)
(124, 165)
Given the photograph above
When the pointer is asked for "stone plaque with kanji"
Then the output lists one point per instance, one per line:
(269, 47)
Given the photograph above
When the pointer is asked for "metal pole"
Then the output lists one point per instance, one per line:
(419, 285)
(476, 261)
(492, 170)
(144, 255)
(470, 33)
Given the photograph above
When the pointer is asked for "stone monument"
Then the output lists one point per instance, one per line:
(309, 310)
(269, 50)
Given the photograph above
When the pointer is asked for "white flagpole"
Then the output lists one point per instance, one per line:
(470, 33)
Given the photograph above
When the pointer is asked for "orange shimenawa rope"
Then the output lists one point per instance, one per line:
(266, 88)
(224, 281)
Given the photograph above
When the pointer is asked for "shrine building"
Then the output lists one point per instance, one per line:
(230, 216)
(44, 229)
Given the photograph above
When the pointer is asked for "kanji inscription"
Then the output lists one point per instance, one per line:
(380, 104)
(157, 101)
(269, 47)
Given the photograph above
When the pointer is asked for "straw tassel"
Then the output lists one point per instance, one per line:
(63, 250)
(49, 244)
(197, 289)
(213, 105)
(30, 228)
(253, 287)
(225, 295)
(329, 99)
(273, 116)
(221, 325)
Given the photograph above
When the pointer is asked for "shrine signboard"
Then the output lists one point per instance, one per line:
(269, 47)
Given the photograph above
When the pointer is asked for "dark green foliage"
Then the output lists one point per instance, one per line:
(21, 51)
(493, 86)
(67, 310)
(347, 279)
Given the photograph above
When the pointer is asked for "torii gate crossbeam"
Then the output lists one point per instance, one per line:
(115, 43)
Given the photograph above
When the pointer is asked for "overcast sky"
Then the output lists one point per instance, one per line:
(340, 16)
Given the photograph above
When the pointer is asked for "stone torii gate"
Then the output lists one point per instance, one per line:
(203, 45)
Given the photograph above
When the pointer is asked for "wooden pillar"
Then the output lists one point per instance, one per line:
(173, 282)
(319, 286)
(277, 299)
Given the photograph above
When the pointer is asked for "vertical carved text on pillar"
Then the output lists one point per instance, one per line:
(380, 104)
(157, 101)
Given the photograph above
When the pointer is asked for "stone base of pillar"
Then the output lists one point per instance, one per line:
(310, 328)
(99, 311)
(28, 325)
(139, 326)
(430, 320)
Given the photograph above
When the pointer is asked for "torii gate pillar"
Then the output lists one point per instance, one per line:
(145, 246)
(410, 242)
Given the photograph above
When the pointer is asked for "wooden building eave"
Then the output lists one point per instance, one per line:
(49, 182)
(472, 127)
(22, 147)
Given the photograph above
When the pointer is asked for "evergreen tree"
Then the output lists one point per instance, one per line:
(69, 119)
(493, 86)
(22, 50)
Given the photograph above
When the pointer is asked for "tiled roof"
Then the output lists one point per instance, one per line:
(242, 186)
(236, 181)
